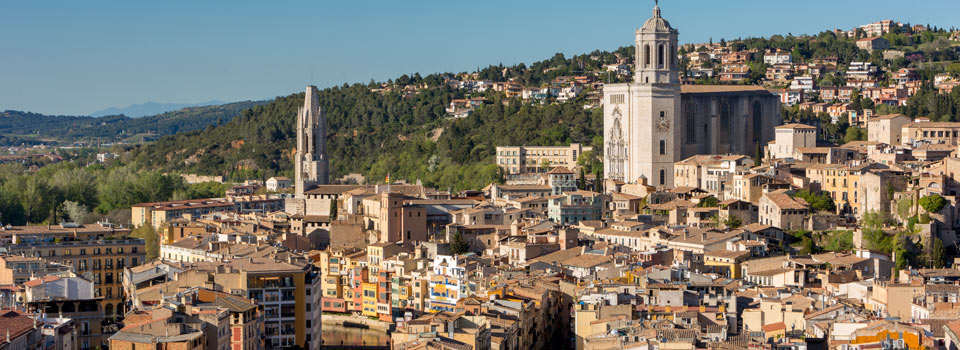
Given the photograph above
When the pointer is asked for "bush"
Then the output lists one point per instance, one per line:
(933, 203)
(818, 201)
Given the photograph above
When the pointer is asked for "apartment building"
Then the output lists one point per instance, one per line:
(15, 269)
(447, 283)
(538, 159)
(156, 213)
(72, 298)
(100, 250)
(288, 288)
(931, 132)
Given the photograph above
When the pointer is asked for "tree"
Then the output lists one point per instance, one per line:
(757, 154)
(872, 232)
(854, 134)
(76, 212)
(933, 203)
(459, 246)
(581, 181)
(732, 221)
(544, 165)
(333, 210)
(818, 201)
(808, 246)
(152, 241)
(598, 182)
(938, 254)
(709, 202)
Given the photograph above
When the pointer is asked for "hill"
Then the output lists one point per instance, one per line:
(24, 127)
(150, 108)
(376, 134)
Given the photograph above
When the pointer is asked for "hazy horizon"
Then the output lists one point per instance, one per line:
(98, 56)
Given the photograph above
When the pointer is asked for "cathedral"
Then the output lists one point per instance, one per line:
(654, 121)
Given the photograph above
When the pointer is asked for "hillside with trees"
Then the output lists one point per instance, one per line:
(376, 134)
(18, 127)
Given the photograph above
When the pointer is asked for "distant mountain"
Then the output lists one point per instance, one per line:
(23, 127)
(150, 108)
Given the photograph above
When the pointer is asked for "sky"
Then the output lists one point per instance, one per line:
(77, 57)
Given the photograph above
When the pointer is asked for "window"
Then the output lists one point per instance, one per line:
(661, 56)
(663, 147)
(757, 121)
(690, 119)
(646, 55)
(662, 176)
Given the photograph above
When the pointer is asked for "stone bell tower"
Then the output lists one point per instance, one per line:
(311, 157)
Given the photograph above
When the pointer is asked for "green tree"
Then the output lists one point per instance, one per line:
(874, 237)
(708, 202)
(545, 165)
(854, 134)
(598, 182)
(938, 254)
(757, 154)
(732, 221)
(818, 201)
(459, 246)
(808, 246)
(933, 203)
(152, 241)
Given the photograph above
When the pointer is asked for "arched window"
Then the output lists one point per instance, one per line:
(724, 134)
(660, 56)
(663, 147)
(690, 120)
(757, 120)
(646, 55)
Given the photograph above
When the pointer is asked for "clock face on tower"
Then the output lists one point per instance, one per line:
(663, 124)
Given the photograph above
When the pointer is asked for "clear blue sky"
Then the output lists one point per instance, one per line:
(75, 57)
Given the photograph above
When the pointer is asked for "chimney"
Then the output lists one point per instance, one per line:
(703, 237)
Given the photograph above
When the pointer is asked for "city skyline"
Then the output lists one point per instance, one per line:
(113, 56)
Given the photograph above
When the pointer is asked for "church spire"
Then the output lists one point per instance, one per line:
(656, 9)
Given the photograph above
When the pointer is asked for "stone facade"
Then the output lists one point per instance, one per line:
(312, 165)
(653, 122)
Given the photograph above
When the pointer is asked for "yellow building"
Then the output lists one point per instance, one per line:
(842, 184)
(726, 261)
(904, 335)
(369, 299)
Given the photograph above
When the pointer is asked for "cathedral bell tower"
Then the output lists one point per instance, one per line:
(641, 138)
(656, 52)
(311, 156)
